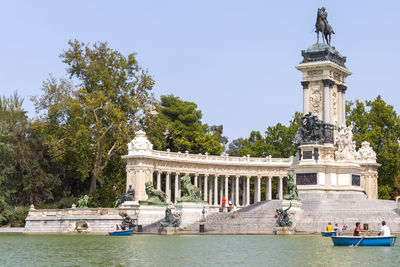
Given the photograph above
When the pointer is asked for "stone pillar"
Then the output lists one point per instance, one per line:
(327, 107)
(232, 191)
(305, 97)
(255, 191)
(258, 180)
(177, 181)
(221, 190)
(216, 190)
(158, 180)
(168, 187)
(280, 188)
(179, 186)
(226, 187)
(237, 191)
(268, 189)
(210, 195)
(342, 95)
(248, 190)
(205, 188)
(200, 184)
(196, 180)
(243, 192)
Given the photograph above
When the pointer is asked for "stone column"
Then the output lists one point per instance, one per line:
(226, 187)
(221, 191)
(258, 189)
(210, 195)
(255, 190)
(196, 180)
(205, 188)
(268, 189)
(177, 180)
(216, 190)
(343, 89)
(168, 187)
(179, 187)
(158, 180)
(200, 184)
(327, 115)
(339, 106)
(248, 190)
(237, 191)
(244, 192)
(305, 97)
(233, 191)
(280, 188)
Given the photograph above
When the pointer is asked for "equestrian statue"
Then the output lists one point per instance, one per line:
(322, 26)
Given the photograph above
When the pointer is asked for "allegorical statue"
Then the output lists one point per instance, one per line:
(190, 192)
(170, 220)
(128, 196)
(311, 130)
(127, 221)
(292, 188)
(322, 26)
(283, 217)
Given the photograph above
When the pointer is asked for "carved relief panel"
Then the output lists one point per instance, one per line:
(316, 99)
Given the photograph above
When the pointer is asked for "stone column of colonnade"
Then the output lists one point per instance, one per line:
(214, 187)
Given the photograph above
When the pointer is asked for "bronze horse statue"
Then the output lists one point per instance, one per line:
(322, 25)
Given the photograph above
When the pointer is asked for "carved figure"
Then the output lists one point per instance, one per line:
(153, 195)
(346, 145)
(129, 195)
(190, 192)
(366, 153)
(284, 217)
(322, 26)
(292, 188)
(140, 144)
(127, 221)
(170, 220)
(311, 130)
(83, 202)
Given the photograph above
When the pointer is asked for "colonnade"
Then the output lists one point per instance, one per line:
(214, 187)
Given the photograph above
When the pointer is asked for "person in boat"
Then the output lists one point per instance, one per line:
(116, 227)
(358, 230)
(336, 227)
(385, 230)
(339, 230)
(329, 227)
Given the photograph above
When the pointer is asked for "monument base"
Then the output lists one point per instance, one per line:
(130, 205)
(150, 214)
(284, 231)
(191, 212)
(168, 231)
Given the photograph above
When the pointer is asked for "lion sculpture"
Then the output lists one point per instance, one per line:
(190, 193)
(153, 195)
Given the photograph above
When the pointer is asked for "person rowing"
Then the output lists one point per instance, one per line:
(385, 230)
(358, 230)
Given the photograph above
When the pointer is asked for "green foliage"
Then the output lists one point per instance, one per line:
(378, 123)
(278, 141)
(88, 123)
(177, 126)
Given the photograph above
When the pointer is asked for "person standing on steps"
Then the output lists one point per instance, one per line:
(234, 212)
(223, 203)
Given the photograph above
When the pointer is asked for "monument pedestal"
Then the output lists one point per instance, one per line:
(191, 212)
(284, 230)
(151, 214)
(168, 231)
(130, 205)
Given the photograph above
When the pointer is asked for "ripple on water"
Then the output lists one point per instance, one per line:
(154, 250)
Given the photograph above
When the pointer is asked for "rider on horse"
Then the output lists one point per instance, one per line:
(323, 26)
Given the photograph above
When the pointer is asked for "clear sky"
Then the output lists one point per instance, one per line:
(235, 59)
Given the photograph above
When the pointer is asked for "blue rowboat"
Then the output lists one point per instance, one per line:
(119, 233)
(331, 233)
(366, 241)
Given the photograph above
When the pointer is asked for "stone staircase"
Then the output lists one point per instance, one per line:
(317, 213)
(256, 218)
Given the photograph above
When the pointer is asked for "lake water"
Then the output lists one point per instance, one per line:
(190, 250)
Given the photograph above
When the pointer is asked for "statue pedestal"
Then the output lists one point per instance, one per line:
(284, 230)
(191, 212)
(150, 214)
(130, 205)
(168, 231)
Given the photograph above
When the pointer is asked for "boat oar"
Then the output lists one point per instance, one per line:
(361, 239)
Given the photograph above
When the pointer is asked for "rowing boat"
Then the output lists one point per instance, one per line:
(331, 233)
(363, 241)
(120, 233)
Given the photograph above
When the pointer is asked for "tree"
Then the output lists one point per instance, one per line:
(278, 141)
(378, 123)
(176, 125)
(91, 116)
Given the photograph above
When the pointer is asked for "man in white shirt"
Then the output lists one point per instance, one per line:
(385, 230)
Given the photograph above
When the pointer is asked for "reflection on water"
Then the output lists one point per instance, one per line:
(154, 250)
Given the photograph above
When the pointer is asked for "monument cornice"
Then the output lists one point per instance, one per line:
(322, 64)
